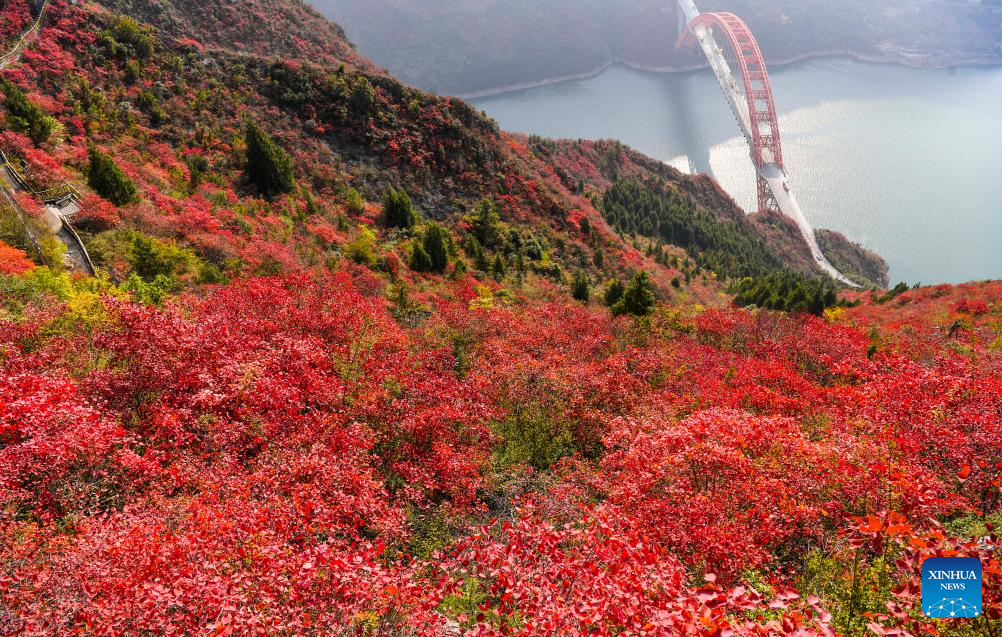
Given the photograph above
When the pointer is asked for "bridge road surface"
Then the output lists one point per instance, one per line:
(770, 170)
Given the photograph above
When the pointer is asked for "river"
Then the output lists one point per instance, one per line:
(907, 162)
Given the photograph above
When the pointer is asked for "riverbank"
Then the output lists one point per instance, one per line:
(896, 58)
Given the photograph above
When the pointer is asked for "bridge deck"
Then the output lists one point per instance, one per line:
(774, 176)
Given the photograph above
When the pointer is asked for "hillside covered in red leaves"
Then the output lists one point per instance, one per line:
(356, 362)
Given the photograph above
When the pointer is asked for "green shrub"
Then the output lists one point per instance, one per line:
(530, 437)
(108, 180)
(398, 210)
(268, 166)
(363, 97)
(24, 116)
(132, 72)
(354, 202)
(638, 299)
(153, 292)
(165, 263)
(148, 103)
(893, 293)
(127, 38)
(362, 250)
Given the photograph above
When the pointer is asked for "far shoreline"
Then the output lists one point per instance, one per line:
(867, 58)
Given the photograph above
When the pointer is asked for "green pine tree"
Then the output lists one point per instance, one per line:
(420, 261)
(398, 211)
(268, 166)
(614, 292)
(499, 270)
(638, 299)
(436, 245)
(487, 224)
(108, 180)
(24, 116)
(580, 289)
(480, 260)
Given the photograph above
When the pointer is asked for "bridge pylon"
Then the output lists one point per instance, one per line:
(744, 79)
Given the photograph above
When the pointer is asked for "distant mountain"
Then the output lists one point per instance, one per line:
(468, 47)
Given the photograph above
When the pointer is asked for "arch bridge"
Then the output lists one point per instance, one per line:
(737, 62)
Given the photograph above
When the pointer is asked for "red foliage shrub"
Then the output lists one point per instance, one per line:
(14, 261)
(96, 214)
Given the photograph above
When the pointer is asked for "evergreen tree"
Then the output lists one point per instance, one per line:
(475, 250)
(599, 259)
(653, 209)
(487, 224)
(398, 211)
(108, 180)
(581, 290)
(420, 261)
(24, 116)
(638, 299)
(268, 166)
(499, 270)
(363, 96)
(614, 292)
(436, 246)
(786, 291)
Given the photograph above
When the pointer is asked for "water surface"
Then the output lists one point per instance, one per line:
(907, 162)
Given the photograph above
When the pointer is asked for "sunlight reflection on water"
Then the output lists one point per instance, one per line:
(907, 162)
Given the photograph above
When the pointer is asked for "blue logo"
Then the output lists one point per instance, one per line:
(951, 587)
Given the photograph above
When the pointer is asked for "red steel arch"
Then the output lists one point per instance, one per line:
(766, 145)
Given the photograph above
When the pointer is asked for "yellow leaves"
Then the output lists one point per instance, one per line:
(484, 300)
(996, 345)
(836, 315)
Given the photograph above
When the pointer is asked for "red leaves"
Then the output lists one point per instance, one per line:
(873, 524)
(57, 453)
(96, 214)
(14, 261)
(262, 459)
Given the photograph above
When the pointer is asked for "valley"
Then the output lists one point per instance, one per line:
(451, 47)
(350, 358)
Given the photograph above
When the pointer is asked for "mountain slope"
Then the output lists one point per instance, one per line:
(293, 404)
(173, 119)
(294, 30)
(457, 47)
